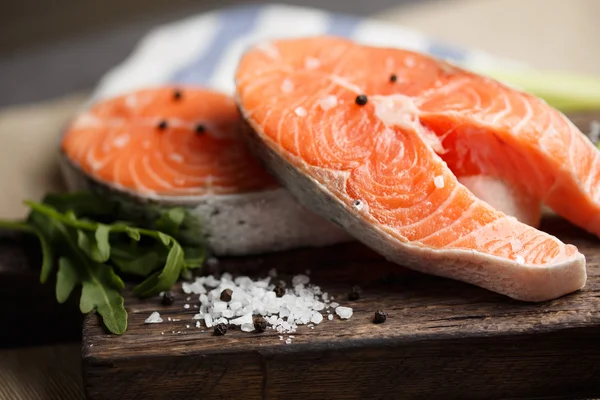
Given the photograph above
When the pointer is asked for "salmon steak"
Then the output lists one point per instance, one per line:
(378, 140)
(167, 146)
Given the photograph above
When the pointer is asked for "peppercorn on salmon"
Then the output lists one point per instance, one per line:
(171, 146)
(374, 139)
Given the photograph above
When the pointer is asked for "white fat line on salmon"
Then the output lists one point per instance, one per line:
(121, 141)
(269, 49)
(410, 61)
(311, 63)
(400, 110)
(95, 164)
(340, 81)
(178, 158)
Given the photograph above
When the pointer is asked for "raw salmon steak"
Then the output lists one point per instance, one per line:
(182, 147)
(375, 138)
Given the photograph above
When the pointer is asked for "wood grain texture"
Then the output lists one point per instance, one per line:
(443, 339)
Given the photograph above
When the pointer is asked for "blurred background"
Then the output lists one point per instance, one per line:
(53, 53)
(52, 48)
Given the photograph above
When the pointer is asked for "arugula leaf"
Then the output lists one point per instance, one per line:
(66, 279)
(80, 203)
(135, 262)
(102, 244)
(101, 291)
(194, 257)
(165, 279)
(47, 252)
(81, 228)
(170, 221)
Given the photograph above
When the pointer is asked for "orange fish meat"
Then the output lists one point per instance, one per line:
(374, 139)
(182, 147)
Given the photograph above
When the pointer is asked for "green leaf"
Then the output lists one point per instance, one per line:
(165, 279)
(47, 253)
(165, 239)
(133, 233)
(80, 203)
(101, 291)
(47, 256)
(143, 265)
(170, 221)
(194, 256)
(87, 243)
(102, 233)
(66, 279)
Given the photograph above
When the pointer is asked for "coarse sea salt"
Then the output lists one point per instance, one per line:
(301, 304)
(154, 318)
(328, 102)
(344, 312)
(438, 181)
(300, 111)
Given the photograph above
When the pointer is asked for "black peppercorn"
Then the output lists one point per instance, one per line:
(361, 100)
(162, 125)
(177, 95)
(279, 290)
(354, 293)
(226, 295)
(393, 78)
(380, 317)
(168, 299)
(260, 324)
(220, 329)
(200, 129)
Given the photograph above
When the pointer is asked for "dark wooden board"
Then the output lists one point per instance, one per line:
(443, 339)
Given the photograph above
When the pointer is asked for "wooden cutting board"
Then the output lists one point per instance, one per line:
(443, 339)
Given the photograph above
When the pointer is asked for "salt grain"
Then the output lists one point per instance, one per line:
(187, 326)
(344, 312)
(334, 304)
(247, 327)
(301, 112)
(328, 102)
(520, 259)
(330, 317)
(186, 306)
(288, 341)
(197, 324)
(208, 320)
(287, 86)
(438, 181)
(316, 318)
(154, 318)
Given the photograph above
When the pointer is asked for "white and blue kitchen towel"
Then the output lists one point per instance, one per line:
(205, 49)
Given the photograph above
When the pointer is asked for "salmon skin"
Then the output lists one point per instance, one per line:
(167, 146)
(374, 139)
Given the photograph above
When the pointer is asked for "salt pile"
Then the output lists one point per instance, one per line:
(300, 304)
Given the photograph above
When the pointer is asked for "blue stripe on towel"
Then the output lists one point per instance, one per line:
(233, 24)
(341, 25)
(447, 52)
